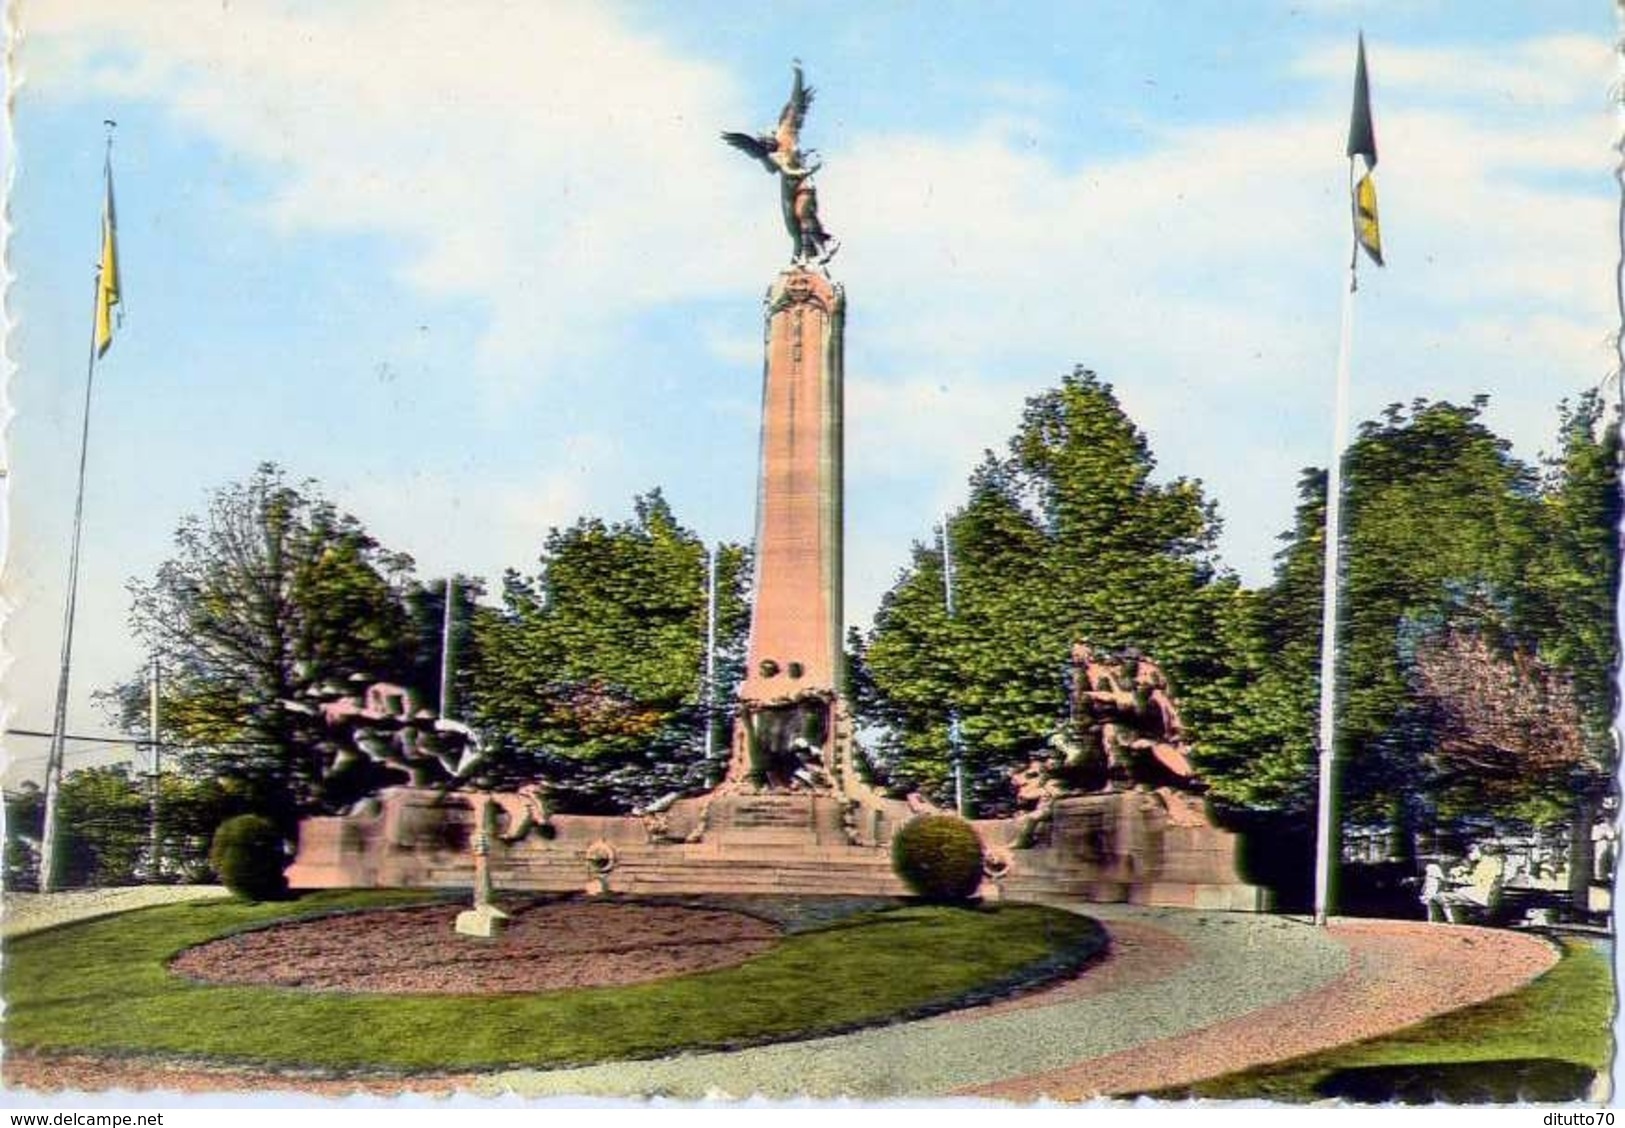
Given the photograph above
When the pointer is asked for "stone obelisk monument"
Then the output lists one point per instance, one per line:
(795, 641)
(794, 670)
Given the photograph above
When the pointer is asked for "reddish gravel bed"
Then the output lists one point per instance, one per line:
(546, 946)
(1400, 973)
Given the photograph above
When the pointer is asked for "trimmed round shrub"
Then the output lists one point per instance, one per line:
(939, 857)
(247, 854)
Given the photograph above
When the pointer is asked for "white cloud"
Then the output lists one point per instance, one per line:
(1203, 277)
(1557, 70)
(466, 522)
(539, 158)
(921, 427)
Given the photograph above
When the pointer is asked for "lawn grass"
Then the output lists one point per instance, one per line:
(103, 987)
(1564, 1016)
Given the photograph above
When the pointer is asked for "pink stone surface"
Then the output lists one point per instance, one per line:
(1103, 848)
(796, 619)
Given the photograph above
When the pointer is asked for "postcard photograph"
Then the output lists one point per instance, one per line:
(1006, 554)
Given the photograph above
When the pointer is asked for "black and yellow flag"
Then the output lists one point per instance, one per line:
(107, 282)
(1363, 144)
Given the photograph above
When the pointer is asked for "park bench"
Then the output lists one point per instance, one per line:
(1500, 905)
(1531, 905)
(1459, 902)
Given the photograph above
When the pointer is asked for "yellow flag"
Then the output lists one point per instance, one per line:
(107, 283)
(1363, 144)
(1365, 218)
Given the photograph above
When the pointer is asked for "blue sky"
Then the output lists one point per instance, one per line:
(480, 269)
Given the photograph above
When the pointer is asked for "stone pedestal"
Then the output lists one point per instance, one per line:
(1122, 846)
(1109, 847)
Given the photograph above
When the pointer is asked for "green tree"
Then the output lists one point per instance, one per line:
(1442, 530)
(25, 823)
(106, 812)
(1506, 728)
(107, 826)
(1065, 537)
(592, 671)
(271, 593)
(1447, 541)
(1577, 570)
(1575, 624)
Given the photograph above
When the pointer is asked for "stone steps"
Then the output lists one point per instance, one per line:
(704, 868)
(789, 817)
(754, 880)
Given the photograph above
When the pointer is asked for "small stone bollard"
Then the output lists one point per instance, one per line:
(484, 920)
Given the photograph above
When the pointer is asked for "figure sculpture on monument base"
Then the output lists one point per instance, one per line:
(781, 743)
(1123, 733)
(387, 724)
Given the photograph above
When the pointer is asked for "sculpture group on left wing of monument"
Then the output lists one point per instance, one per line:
(388, 724)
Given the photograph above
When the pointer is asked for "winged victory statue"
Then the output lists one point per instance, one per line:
(780, 152)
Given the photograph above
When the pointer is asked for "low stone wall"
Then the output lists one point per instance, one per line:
(1116, 847)
(1124, 846)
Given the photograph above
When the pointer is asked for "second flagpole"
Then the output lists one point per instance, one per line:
(1331, 584)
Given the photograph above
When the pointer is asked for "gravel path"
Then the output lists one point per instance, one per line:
(1401, 972)
(1239, 963)
(29, 912)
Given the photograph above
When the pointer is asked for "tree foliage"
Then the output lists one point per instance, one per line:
(1505, 727)
(1477, 637)
(1067, 536)
(1465, 577)
(592, 671)
(106, 827)
(1576, 573)
(1477, 660)
(271, 593)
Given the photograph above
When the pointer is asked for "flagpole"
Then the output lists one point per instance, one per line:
(710, 659)
(447, 671)
(156, 836)
(1326, 808)
(59, 723)
(47, 842)
(954, 735)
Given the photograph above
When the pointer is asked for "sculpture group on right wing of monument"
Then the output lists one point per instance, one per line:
(1123, 732)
